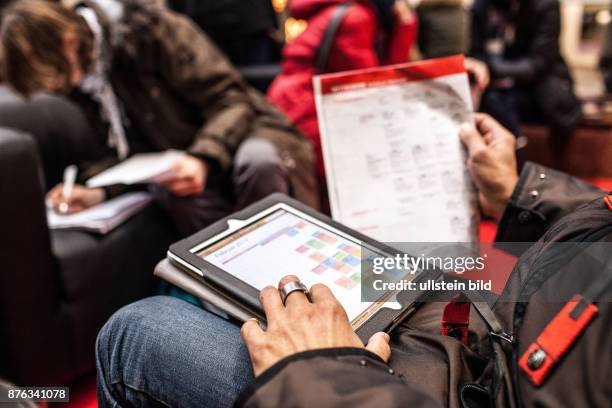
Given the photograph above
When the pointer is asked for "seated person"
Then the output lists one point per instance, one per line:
(163, 351)
(519, 41)
(372, 33)
(149, 80)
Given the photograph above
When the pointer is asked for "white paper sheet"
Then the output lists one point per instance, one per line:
(140, 168)
(394, 162)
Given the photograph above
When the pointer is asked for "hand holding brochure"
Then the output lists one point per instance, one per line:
(395, 166)
(140, 168)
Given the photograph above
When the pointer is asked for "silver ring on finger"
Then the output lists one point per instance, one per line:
(289, 288)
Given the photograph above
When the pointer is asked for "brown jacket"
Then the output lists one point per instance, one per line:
(177, 91)
(430, 370)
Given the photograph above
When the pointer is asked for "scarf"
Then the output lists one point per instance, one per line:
(97, 84)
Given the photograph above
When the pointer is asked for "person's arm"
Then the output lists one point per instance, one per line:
(332, 378)
(403, 34)
(193, 66)
(543, 52)
(525, 206)
(309, 356)
(541, 197)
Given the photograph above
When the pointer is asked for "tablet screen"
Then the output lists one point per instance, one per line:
(284, 243)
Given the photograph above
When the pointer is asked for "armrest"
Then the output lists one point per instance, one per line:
(29, 289)
(58, 125)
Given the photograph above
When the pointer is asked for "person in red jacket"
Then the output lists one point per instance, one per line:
(372, 33)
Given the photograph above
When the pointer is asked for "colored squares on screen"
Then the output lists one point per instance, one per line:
(325, 237)
(346, 283)
(329, 262)
(292, 232)
(351, 260)
(313, 243)
(317, 257)
(319, 269)
(355, 251)
(356, 277)
(338, 266)
(346, 268)
(339, 256)
(302, 249)
(300, 225)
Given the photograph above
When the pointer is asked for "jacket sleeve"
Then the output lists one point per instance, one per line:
(198, 72)
(543, 52)
(343, 377)
(400, 42)
(541, 197)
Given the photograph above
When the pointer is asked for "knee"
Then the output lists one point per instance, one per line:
(259, 156)
(137, 320)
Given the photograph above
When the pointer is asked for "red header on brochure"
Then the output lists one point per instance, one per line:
(391, 74)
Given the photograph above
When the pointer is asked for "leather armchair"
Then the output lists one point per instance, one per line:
(57, 288)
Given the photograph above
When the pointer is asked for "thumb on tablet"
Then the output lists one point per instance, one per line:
(379, 345)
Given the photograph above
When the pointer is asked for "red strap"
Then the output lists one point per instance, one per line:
(456, 320)
(542, 355)
(608, 201)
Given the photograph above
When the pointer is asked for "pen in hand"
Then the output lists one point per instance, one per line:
(70, 175)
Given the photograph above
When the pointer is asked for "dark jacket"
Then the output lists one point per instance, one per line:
(223, 19)
(179, 92)
(532, 58)
(430, 370)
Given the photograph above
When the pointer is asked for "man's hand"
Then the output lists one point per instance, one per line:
(81, 198)
(403, 12)
(492, 162)
(479, 71)
(189, 178)
(301, 326)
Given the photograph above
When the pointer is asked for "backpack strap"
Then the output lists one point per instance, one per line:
(559, 335)
(324, 49)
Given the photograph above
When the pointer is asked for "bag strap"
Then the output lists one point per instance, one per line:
(328, 37)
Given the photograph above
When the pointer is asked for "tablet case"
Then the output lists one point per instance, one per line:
(207, 295)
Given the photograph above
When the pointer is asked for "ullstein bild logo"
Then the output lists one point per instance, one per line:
(433, 285)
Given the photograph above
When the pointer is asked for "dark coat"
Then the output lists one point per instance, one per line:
(532, 58)
(179, 92)
(428, 369)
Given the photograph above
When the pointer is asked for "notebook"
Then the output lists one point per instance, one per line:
(102, 218)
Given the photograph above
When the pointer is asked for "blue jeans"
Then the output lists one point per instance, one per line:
(163, 351)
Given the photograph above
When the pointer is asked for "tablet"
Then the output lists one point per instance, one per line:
(279, 236)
